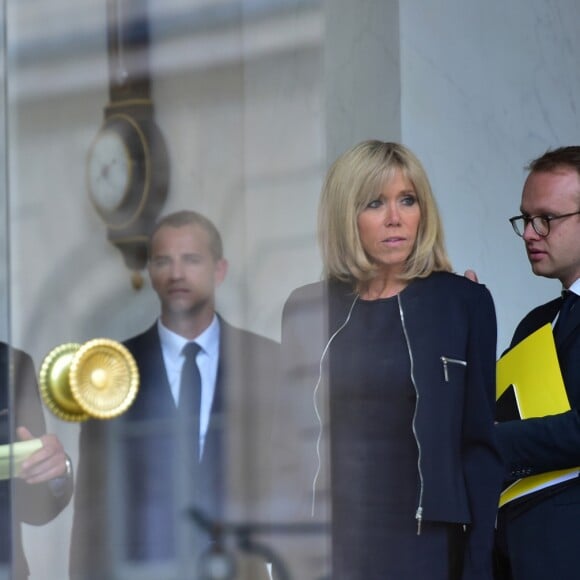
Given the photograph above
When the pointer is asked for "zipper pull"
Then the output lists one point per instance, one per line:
(419, 518)
(445, 370)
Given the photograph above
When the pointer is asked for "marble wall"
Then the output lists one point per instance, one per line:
(486, 88)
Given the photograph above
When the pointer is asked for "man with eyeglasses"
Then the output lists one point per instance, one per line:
(538, 534)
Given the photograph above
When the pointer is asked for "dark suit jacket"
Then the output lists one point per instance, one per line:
(135, 477)
(535, 446)
(546, 443)
(20, 502)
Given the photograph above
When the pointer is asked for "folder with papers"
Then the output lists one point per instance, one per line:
(531, 368)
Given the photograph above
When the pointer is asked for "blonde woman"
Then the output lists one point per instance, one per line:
(390, 367)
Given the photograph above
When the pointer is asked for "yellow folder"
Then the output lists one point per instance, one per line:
(532, 368)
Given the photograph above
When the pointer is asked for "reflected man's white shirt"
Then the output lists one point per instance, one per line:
(207, 361)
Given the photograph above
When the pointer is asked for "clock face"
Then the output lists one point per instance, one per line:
(119, 170)
(109, 170)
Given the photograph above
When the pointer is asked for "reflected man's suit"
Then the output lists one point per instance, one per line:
(135, 477)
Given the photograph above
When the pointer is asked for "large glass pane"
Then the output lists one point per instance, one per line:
(120, 112)
(6, 387)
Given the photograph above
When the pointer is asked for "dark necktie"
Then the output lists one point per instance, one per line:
(562, 324)
(190, 394)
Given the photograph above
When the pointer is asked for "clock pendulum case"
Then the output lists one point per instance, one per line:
(127, 164)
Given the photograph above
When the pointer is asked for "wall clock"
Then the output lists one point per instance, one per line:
(127, 162)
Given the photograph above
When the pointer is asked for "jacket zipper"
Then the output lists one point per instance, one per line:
(446, 360)
(419, 512)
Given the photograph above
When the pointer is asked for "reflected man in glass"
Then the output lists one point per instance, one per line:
(197, 434)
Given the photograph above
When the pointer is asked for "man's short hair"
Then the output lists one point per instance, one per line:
(182, 218)
(555, 158)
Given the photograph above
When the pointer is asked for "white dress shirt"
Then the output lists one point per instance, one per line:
(207, 361)
(575, 287)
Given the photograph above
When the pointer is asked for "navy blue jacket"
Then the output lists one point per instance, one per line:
(534, 446)
(547, 443)
(443, 315)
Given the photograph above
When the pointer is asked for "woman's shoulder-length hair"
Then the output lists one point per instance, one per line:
(352, 182)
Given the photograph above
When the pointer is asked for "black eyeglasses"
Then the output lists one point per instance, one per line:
(540, 223)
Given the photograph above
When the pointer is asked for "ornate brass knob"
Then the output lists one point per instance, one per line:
(98, 379)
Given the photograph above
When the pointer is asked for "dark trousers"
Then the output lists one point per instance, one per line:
(538, 538)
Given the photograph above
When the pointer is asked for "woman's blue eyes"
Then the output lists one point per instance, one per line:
(407, 200)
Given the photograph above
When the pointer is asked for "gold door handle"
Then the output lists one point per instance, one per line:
(98, 379)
